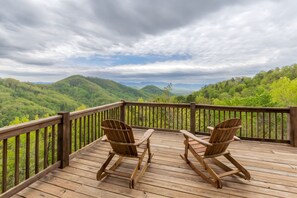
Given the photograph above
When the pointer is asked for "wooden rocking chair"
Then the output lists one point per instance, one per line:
(214, 146)
(121, 139)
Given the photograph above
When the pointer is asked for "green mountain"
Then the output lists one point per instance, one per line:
(151, 89)
(19, 99)
(277, 87)
(96, 91)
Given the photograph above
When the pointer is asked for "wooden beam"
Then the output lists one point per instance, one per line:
(123, 111)
(63, 139)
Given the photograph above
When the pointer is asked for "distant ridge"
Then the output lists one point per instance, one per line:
(18, 99)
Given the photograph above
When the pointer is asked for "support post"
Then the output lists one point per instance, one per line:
(192, 117)
(123, 111)
(293, 126)
(63, 139)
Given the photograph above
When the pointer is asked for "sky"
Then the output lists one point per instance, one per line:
(177, 41)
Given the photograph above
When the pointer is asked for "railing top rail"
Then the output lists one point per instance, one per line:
(11, 131)
(242, 108)
(81, 113)
(214, 107)
(159, 104)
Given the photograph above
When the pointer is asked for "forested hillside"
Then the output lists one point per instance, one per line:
(27, 101)
(276, 87)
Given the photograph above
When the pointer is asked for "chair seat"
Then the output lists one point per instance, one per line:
(197, 147)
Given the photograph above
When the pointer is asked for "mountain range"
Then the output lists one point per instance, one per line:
(23, 98)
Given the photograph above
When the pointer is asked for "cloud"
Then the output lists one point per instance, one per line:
(129, 40)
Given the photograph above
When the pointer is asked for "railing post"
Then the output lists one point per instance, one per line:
(192, 117)
(293, 126)
(123, 111)
(63, 139)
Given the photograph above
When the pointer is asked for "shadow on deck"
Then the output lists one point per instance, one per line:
(273, 168)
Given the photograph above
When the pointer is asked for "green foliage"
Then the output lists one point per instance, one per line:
(276, 87)
(166, 95)
(73, 93)
(284, 91)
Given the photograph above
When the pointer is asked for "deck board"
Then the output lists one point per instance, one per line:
(273, 167)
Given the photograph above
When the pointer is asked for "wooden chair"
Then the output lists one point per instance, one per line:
(121, 139)
(214, 146)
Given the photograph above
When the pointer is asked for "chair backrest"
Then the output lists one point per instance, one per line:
(222, 135)
(120, 135)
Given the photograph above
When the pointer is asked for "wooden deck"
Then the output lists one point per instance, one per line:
(273, 168)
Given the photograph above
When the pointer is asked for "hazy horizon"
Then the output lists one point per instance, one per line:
(194, 42)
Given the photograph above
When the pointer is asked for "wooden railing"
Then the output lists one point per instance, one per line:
(37, 147)
(31, 150)
(258, 123)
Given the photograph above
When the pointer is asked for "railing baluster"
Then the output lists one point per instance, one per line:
(275, 126)
(85, 129)
(214, 117)
(219, 116)
(45, 154)
(173, 118)
(282, 126)
(199, 120)
(165, 116)
(75, 134)
(4, 165)
(258, 125)
(130, 115)
(89, 129)
(17, 161)
(263, 125)
(252, 120)
(53, 143)
(27, 175)
(246, 124)
(70, 137)
(161, 115)
(93, 128)
(209, 118)
(269, 125)
(36, 151)
(142, 116)
(153, 117)
(204, 123)
(187, 118)
(80, 132)
(134, 123)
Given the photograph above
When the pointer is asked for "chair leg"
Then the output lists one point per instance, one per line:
(238, 165)
(185, 156)
(226, 168)
(137, 173)
(149, 151)
(216, 182)
(103, 167)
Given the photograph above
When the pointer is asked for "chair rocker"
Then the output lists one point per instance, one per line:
(214, 146)
(121, 138)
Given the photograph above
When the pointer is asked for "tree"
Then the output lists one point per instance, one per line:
(284, 91)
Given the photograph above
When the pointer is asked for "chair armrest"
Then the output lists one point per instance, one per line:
(145, 137)
(190, 135)
(210, 128)
(236, 138)
(104, 138)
